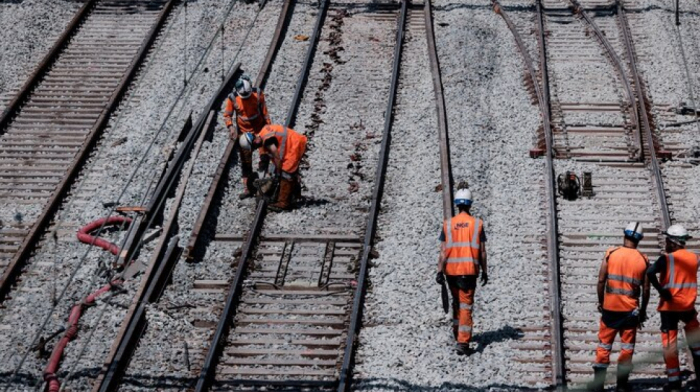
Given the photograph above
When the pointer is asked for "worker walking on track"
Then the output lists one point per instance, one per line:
(678, 290)
(285, 147)
(248, 104)
(621, 280)
(462, 255)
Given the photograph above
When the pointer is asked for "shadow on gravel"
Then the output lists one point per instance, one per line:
(504, 333)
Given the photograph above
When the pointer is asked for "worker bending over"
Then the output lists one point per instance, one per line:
(462, 254)
(248, 104)
(285, 147)
(678, 289)
(621, 278)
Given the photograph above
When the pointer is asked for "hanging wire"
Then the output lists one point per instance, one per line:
(168, 116)
(184, 51)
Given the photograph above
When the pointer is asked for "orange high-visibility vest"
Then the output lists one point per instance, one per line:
(463, 240)
(626, 270)
(290, 145)
(251, 113)
(681, 279)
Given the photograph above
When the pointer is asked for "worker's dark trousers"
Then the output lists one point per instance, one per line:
(462, 288)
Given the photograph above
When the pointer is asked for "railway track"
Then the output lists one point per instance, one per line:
(292, 307)
(51, 126)
(609, 132)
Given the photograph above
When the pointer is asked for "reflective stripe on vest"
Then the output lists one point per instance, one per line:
(625, 279)
(672, 276)
(283, 141)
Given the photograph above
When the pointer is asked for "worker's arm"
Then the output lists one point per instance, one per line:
(442, 257)
(228, 118)
(274, 151)
(645, 300)
(602, 279)
(654, 269)
(483, 264)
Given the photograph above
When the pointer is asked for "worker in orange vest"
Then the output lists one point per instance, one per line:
(248, 104)
(621, 280)
(285, 147)
(462, 255)
(678, 289)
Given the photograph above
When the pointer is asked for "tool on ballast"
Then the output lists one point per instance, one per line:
(569, 185)
(440, 279)
(587, 185)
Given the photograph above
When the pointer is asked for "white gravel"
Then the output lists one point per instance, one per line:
(406, 342)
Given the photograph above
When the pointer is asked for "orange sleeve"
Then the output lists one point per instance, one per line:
(228, 112)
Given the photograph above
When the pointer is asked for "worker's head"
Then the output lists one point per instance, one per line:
(676, 236)
(633, 234)
(463, 200)
(248, 141)
(244, 87)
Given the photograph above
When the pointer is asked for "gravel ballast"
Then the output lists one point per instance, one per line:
(406, 342)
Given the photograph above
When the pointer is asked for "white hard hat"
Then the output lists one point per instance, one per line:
(244, 88)
(246, 140)
(634, 231)
(677, 233)
(463, 197)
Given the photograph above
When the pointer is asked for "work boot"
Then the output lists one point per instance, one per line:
(598, 383)
(623, 376)
(248, 189)
(283, 197)
(463, 349)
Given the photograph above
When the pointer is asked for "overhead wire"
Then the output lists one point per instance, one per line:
(168, 116)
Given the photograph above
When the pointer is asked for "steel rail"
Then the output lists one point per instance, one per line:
(18, 261)
(559, 373)
(161, 262)
(227, 158)
(45, 65)
(206, 377)
(542, 92)
(443, 134)
(358, 299)
(640, 106)
(617, 63)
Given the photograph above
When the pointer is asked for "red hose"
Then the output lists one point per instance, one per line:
(85, 237)
(76, 312)
(50, 372)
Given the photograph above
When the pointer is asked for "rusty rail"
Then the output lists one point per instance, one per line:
(356, 315)
(206, 377)
(15, 105)
(227, 158)
(18, 261)
(642, 112)
(542, 92)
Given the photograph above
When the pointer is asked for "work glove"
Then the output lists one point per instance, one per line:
(440, 278)
(600, 308)
(642, 318)
(665, 294)
(232, 131)
(484, 278)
